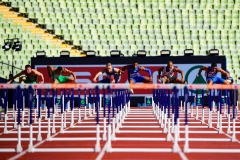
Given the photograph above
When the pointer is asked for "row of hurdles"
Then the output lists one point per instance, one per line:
(167, 107)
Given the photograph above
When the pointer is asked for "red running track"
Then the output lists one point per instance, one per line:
(128, 130)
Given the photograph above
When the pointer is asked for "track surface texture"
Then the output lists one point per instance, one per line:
(140, 136)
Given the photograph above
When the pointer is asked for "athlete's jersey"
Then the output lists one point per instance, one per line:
(133, 72)
(170, 73)
(31, 78)
(211, 74)
(55, 75)
(109, 74)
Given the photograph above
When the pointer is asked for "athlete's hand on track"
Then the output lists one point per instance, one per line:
(94, 80)
(197, 75)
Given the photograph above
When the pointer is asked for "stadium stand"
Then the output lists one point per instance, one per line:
(131, 25)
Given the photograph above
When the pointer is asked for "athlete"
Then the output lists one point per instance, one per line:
(30, 76)
(57, 77)
(211, 75)
(167, 74)
(134, 76)
(112, 74)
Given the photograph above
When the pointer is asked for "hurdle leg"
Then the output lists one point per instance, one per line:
(233, 138)
(104, 129)
(181, 105)
(192, 110)
(175, 145)
(13, 115)
(186, 145)
(109, 143)
(169, 132)
(39, 137)
(162, 117)
(65, 119)
(30, 146)
(184, 106)
(218, 115)
(35, 117)
(53, 123)
(220, 125)
(72, 117)
(61, 131)
(157, 112)
(5, 124)
(113, 129)
(97, 146)
(23, 115)
(202, 115)
(196, 118)
(49, 131)
(19, 146)
(79, 115)
(172, 123)
(94, 108)
(210, 119)
(89, 109)
(225, 109)
(85, 112)
(15, 120)
(165, 123)
(46, 113)
(228, 129)
(214, 107)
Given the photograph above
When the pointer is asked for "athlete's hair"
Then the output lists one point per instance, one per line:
(135, 62)
(108, 64)
(169, 62)
(27, 66)
(59, 68)
(214, 64)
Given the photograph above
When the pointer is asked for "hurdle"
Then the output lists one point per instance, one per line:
(169, 113)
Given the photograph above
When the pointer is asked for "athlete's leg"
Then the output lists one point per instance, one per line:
(22, 79)
(180, 81)
(132, 81)
(71, 80)
(55, 81)
(218, 80)
(165, 80)
(106, 80)
(147, 79)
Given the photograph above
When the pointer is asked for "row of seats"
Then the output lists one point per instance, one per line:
(131, 25)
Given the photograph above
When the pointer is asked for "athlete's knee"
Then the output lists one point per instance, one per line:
(22, 79)
(226, 82)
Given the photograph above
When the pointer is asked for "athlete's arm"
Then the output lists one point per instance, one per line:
(18, 75)
(179, 71)
(125, 67)
(160, 72)
(118, 71)
(38, 74)
(223, 72)
(98, 74)
(50, 70)
(70, 72)
(202, 69)
(147, 70)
